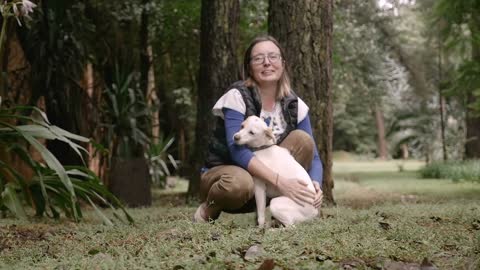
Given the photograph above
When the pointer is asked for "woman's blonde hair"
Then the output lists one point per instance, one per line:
(283, 85)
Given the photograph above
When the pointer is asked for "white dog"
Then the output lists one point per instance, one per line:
(257, 135)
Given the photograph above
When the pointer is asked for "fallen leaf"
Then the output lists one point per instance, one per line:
(268, 264)
(322, 258)
(93, 251)
(215, 236)
(385, 225)
(436, 219)
(254, 252)
(381, 214)
(476, 224)
(427, 265)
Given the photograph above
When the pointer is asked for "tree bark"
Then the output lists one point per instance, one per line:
(218, 69)
(404, 148)
(381, 141)
(16, 83)
(305, 28)
(441, 102)
(472, 146)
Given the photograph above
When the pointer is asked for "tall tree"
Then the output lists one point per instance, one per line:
(305, 29)
(381, 140)
(472, 147)
(56, 47)
(218, 69)
(458, 16)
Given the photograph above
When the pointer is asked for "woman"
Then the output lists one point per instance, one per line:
(226, 180)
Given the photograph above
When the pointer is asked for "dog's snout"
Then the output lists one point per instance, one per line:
(236, 137)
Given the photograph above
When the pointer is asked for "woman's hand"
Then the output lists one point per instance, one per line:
(296, 190)
(317, 202)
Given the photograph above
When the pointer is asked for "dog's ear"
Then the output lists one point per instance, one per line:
(269, 134)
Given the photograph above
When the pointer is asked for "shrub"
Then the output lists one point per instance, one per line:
(455, 170)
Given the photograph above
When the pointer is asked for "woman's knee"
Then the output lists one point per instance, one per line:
(301, 145)
(302, 138)
(233, 188)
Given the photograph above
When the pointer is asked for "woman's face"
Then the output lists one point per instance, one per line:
(266, 62)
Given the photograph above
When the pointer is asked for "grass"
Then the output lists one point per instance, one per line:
(384, 219)
(457, 170)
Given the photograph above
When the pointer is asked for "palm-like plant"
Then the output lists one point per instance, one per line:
(126, 112)
(54, 188)
(158, 159)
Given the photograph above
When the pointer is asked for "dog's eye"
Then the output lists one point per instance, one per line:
(251, 133)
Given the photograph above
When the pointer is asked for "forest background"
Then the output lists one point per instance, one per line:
(136, 81)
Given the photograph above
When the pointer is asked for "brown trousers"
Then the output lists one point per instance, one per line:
(231, 189)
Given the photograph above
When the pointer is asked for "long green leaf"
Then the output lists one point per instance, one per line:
(53, 163)
(10, 200)
(106, 220)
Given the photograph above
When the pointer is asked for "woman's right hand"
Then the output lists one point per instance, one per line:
(296, 190)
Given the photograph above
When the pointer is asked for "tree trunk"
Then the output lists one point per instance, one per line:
(305, 28)
(16, 83)
(404, 148)
(131, 181)
(218, 69)
(381, 141)
(472, 146)
(441, 102)
(144, 57)
(152, 97)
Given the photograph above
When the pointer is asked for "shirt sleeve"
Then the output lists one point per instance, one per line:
(302, 111)
(240, 154)
(316, 169)
(231, 100)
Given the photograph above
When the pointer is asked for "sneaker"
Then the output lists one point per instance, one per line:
(200, 214)
(198, 217)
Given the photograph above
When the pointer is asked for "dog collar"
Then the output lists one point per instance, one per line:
(261, 147)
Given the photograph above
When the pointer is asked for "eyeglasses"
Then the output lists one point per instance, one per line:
(260, 58)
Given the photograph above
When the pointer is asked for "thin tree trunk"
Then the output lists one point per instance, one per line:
(381, 141)
(441, 102)
(152, 97)
(94, 160)
(441, 108)
(218, 69)
(305, 28)
(144, 57)
(404, 148)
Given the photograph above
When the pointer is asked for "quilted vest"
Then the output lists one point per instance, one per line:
(218, 153)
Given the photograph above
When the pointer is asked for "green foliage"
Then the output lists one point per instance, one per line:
(253, 22)
(183, 105)
(175, 39)
(53, 189)
(126, 115)
(460, 30)
(356, 56)
(454, 170)
(159, 158)
(57, 46)
(467, 81)
(455, 17)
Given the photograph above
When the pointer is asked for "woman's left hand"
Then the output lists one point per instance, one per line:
(318, 195)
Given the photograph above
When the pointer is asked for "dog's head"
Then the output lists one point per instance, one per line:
(254, 133)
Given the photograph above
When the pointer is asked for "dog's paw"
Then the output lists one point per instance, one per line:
(261, 222)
